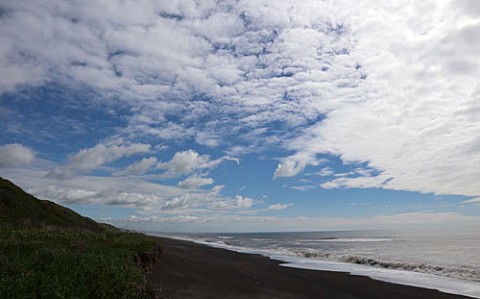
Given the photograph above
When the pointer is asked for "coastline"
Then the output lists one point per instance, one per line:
(190, 270)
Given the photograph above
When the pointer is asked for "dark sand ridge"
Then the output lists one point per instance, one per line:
(190, 270)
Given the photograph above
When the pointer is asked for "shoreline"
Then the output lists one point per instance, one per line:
(191, 270)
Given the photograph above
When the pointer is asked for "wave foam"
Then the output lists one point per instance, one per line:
(346, 240)
(456, 280)
(424, 280)
(454, 272)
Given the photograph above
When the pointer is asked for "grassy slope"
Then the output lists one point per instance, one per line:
(20, 208)
(48, 251)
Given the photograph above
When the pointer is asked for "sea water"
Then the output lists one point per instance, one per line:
(440, 259)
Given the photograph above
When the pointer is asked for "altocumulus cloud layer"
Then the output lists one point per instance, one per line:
(391, 87)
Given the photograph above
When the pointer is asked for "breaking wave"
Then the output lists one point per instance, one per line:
(346, 240)
(453, 272)
(277, 249)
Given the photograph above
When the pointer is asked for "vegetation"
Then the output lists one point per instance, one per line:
(18, 208)
(57, 253)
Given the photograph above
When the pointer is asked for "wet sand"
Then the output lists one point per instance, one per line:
(190, 270)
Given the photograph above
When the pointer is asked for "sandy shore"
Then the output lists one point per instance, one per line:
(189, 270)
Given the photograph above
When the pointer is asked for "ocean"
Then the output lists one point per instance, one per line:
(446, 260)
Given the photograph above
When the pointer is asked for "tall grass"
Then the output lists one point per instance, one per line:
(56, 264)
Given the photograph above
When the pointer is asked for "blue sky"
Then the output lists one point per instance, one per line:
(245, 115)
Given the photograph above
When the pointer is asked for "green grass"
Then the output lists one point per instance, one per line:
(38, 263)
(19, 208)
(49, 251)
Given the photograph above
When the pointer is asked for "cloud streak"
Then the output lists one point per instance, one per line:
(91, 158)
(278, 207)
(188, 162)
(195, 182)
(139, 167)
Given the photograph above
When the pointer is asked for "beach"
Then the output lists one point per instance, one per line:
(191, 270)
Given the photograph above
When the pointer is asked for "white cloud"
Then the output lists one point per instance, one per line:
(303, 188)
(244, 202)
(289, 168)
(278, 207)
(200, 211)
(293, 165)
(206, 139)
(189, 161)
(185, 162)
(327, 171)
(149, 198)
(15, 155)
(139, 167)
(416, 120)
(84, 189)
(102, 153)
(356, 182)
(473, 200)
(240, 61)
(195, 182)
(180, 202)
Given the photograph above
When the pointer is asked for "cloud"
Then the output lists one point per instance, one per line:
(102, 153)
(289, 168)
(326, 171)
(15, 155)
(244, 202)
(473, 200)
(139, 167)
(84, 189)
(181, 202)
(189, 161)
(156, 203)
(185, 162)
(175, 64)
(293, 165)
(150, 198)
(303, 188)
(195, 182)
(206, 201)
(378, 181)
(393, 127)
(206, 139)
(278, 207)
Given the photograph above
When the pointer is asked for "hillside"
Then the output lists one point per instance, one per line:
(48, 251)
(19, 208)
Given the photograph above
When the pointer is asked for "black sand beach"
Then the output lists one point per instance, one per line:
(190, 270)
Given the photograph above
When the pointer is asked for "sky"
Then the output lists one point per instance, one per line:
(267, 115)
